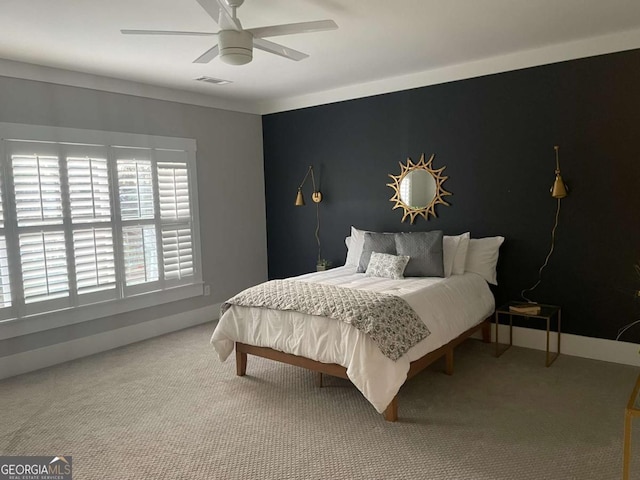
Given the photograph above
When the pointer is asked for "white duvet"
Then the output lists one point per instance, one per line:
(448, 306)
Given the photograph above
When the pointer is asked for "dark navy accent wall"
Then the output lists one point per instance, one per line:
(495, 135)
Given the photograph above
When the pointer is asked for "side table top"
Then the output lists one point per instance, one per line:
(546, 310)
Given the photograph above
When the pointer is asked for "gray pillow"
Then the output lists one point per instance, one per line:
(375, 242)
(425, 250)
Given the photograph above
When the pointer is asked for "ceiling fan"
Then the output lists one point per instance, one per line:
(235, 44)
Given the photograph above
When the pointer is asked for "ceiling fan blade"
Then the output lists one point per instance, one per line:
(209, 55)
(220, 14)
(290, 28)
(276, 48)
(166, 32)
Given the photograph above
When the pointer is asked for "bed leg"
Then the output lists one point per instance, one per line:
(391, 412)
(448, 368)
(241, 363)
(486, 332)
(318, 379)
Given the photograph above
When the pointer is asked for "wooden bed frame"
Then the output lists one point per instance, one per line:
(391, 412)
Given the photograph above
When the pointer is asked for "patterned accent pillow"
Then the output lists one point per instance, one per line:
(387, 266)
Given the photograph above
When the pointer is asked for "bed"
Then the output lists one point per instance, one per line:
(453, 308)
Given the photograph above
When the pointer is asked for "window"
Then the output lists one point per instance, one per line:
(86, 221)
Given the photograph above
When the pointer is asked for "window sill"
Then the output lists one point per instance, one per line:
(16, 327)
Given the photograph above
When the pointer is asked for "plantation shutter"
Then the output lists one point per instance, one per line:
(175, 216)
(86, 220)
(37, 188)
(44, 266)
(136, 189)
(89, 189)
(139, 219)
(92, 230)
(93, 258)
(173, 187)
(140, 254)
(5, 284)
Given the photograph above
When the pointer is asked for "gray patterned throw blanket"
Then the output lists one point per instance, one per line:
(388, 319)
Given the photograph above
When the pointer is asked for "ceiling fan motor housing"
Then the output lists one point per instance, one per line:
(236, 47)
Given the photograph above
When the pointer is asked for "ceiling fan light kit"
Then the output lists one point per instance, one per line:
(235, 44)
(235, 47)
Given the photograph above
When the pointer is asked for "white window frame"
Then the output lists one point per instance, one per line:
(21, 319)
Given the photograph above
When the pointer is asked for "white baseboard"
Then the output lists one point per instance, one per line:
(574, 345)
(63, 352)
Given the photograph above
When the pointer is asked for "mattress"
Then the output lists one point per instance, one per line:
(448, 306)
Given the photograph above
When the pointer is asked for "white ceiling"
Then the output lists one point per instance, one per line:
(380, 46)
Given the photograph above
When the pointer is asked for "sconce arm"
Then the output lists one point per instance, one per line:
(316, 196)
(309, 171)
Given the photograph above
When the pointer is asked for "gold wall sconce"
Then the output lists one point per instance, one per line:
(558, 191)
(316, 196)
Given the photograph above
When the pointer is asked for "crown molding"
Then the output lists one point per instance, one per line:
(628, 40)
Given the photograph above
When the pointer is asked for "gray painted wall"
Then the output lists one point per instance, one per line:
(230, 185)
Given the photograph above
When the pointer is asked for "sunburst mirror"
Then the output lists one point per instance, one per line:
(418, 188)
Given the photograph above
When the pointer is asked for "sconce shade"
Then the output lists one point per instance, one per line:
(299, 199)
(559, 190)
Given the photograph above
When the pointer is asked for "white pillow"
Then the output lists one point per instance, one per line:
(347, 242)
(482, 257)
(460, 259)
(449, 248)
(354, 249)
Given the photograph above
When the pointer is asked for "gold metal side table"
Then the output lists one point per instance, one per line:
(632, 411)
(547, 312)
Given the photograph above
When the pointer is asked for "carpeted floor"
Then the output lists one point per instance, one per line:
(167, 408)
